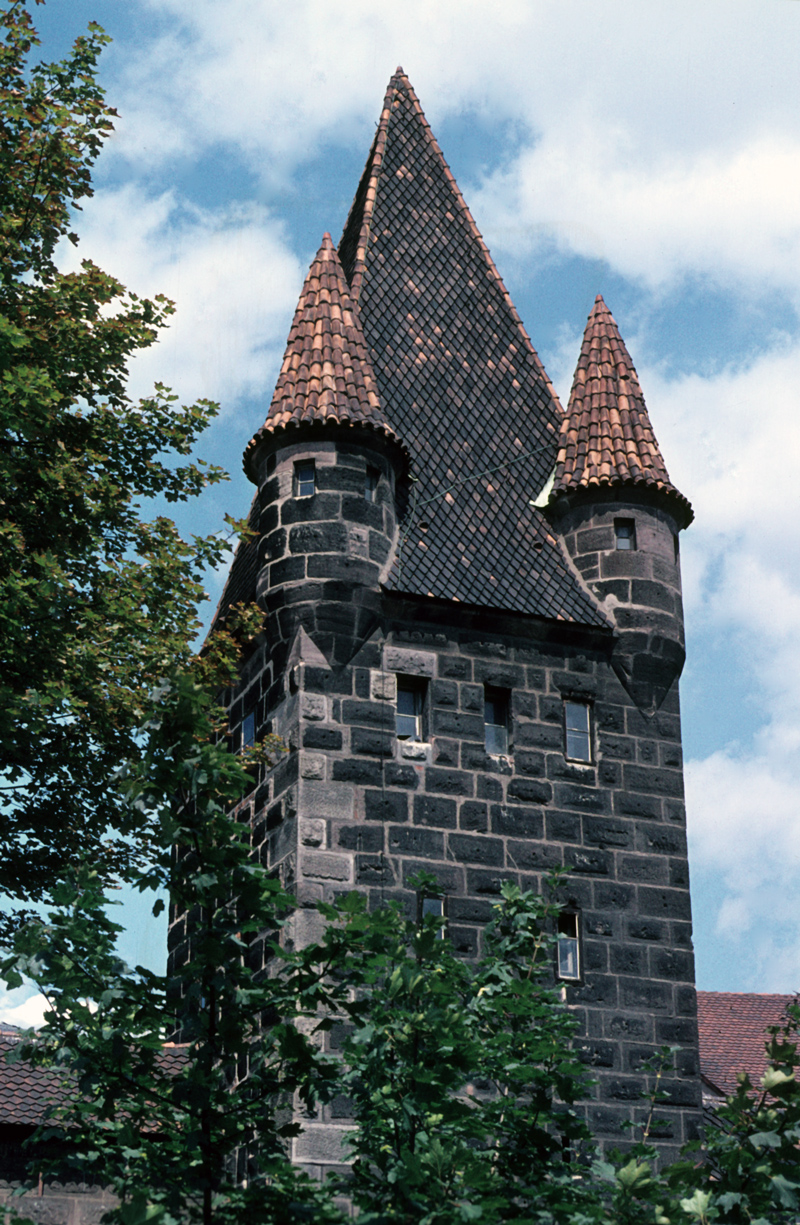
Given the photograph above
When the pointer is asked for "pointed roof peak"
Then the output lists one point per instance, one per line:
(405, 136)
(607, 438)
(326, 377)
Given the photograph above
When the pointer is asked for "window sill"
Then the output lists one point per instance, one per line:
(499, 763)
(415, 750)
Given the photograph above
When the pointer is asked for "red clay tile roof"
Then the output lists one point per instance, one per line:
(733, 1029)
(326, 377)
(28, 1093)
(606, 437)
(459, 381)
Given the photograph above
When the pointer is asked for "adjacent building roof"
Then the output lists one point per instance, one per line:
(459, 381)
(28, 1094)
(326, 377)
(606, 436)
(732, 1029)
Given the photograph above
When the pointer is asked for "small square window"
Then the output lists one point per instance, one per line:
(410, 702)
(625, 533)
(568, 947)
(433, 906)
(249, 730)
(495, 721)
(577, 731)
(305, 479)
(371, 484)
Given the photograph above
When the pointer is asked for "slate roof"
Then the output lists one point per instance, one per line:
(732, 1028)
(459, 381)
(326, 377)
(606, 436)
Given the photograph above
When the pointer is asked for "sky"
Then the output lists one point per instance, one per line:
(648, 150)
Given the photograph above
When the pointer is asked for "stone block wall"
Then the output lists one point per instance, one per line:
(352, 806)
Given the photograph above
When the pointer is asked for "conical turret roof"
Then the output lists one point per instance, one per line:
(459, 380)
(606, 436)
(326, 377)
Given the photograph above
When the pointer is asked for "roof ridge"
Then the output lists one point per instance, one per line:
(607, 438)
(355, 235)
(326, 377)
(366, 200)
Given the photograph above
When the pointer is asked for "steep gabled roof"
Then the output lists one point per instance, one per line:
(733, 1029)
(458, 379)
(326, 377)
(606, 437)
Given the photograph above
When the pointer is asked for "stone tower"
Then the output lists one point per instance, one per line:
(468, 682)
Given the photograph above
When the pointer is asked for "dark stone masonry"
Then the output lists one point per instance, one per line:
(473, 629)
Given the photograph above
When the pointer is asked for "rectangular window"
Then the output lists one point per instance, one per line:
(371, 484)
(577, 731)
(434, 906)
(568, 947)
(249, 730)
(305, 483)
(495, 721)
(625, 533)
(410, 701)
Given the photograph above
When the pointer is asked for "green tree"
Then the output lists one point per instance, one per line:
(97, 600)
(178, 1093)
(462, 1074)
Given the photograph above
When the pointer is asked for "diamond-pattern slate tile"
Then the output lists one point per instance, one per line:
(458, 379)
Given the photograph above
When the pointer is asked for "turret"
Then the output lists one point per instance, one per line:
(620, 515)
(329, 469)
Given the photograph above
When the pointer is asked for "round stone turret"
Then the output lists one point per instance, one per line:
(329, 469)
(619, 514)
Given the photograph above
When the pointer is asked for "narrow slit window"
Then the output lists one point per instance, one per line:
(495, 720)
(434, 907)
(249, 730)
(577, 731)
(410, 701)
(625, 533)
(371, 484)
(568, 947)
(305, 479)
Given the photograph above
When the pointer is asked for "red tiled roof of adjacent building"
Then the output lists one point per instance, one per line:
(606, 437)
(326, 377)
(28, 1094)
(733, 1030)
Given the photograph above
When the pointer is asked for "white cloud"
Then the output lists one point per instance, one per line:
(728, 215)
(664, 138)
(733, 446)
(231, 274)
(23, 1007)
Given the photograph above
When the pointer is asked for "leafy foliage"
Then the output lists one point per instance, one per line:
(195, 1129)
(749, 1168)
(96, 602)
(462, 1075)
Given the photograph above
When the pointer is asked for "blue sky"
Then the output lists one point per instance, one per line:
(646, 151)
